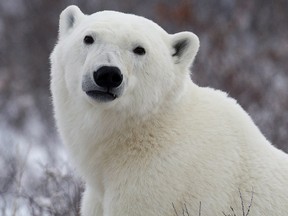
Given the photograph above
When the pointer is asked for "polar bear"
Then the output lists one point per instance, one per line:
(147, 140)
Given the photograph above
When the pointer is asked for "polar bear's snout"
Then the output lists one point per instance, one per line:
(108, 77)
(104, 85)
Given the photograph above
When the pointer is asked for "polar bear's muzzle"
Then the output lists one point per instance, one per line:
(105, 85)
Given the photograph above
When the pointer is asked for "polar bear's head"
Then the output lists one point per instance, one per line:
(117, 61)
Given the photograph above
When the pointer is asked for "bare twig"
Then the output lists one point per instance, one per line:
(242, 206)
(176, 213)
(185, 211)
(250, 204)
(185, 207)
(242, 203)
(234, 214)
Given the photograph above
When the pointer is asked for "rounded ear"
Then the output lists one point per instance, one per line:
(69, 17)
(185, 46)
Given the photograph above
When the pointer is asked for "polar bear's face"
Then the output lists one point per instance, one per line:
(119, 61)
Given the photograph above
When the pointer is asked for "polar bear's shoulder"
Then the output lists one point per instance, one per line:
(213, 98)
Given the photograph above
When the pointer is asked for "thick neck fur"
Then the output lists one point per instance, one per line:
(97, 134)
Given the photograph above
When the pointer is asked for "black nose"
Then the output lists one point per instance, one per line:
(108, 77)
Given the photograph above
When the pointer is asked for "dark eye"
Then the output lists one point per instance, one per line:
(88, 39)
(139, 50)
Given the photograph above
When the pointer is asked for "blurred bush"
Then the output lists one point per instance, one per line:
(244, 51)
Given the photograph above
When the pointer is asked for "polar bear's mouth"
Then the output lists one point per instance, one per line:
(101, 95)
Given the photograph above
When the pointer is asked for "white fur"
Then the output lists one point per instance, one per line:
(165, 140)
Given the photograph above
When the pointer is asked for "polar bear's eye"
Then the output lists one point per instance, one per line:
(139, 50)
(88, 39)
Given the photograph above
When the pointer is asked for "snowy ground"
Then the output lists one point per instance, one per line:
(243, 51)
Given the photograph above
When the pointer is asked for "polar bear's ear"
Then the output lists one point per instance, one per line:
(69, 19)
(185, 46)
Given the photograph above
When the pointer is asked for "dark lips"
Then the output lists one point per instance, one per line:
(101, 96)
